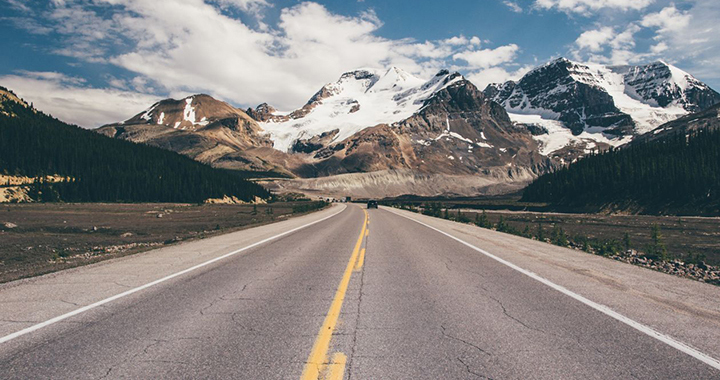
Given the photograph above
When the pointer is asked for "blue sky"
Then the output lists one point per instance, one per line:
(95, 62)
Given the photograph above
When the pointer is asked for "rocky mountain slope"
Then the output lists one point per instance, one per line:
(458, 143)
(44, 159)
(387, 133)
(203, 128)
(578, 107)
(704, 120)
(385, 122)
(358, 100)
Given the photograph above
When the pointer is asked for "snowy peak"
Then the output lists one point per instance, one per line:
(663, 85)
(578, 103)
(359, 99)
(190, 113)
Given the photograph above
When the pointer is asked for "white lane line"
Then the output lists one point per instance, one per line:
(143, 287)
(670, 341)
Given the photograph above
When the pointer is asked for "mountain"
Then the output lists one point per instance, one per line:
(358, 100)
(429, 137)
(674, 169)
(449, 139)
(203, 128)
(707, 119)
(579, 108)
(72, 164)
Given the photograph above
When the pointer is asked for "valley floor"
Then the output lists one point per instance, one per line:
(682, 235)
(40, 238)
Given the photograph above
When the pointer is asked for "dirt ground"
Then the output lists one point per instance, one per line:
(682, 235)
(42, 238)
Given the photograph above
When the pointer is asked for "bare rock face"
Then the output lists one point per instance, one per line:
(564, 88)
(314, 143)
(458, 134)
(444, 131)
(263, 112)
(588, 107)
(200, 127)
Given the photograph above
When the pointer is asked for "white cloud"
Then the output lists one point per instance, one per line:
(67, 99)
(486, 58)
(659, 48)
(587, 6)
(176, 48)
(688, 37)
(606, 45)
(595, 40)
(668, 20)
(485, 77)
(513, 6)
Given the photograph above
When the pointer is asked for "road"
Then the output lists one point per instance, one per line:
(360, 294)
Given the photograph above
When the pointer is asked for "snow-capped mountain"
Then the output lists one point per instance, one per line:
(581, 106)
(358, 100)
(379, 132)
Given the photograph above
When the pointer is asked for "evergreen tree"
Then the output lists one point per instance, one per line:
(102, 169)
(665, 175)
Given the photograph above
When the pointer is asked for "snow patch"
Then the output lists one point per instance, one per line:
(189, 111)
(384, 97)
(559, 137)
(161, 118)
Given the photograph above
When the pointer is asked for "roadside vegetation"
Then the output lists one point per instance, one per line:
(693, 243)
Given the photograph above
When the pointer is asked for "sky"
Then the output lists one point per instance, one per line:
(93, 62)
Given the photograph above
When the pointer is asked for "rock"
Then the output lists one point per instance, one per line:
(159, 215)
(127, 234)
(10, 225)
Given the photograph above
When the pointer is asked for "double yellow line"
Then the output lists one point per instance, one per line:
(317, 363)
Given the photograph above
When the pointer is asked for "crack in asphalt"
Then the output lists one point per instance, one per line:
(507, 314)
(470, 371)
(68, 302)
(357, 316)
(452, 337)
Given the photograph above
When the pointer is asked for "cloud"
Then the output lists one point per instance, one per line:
(486, 58)
(588, 6)
(176, 48)
(68, 99)
(595, 40)
(668, 20)
(608, 45)
(482, 78)
(513, 6)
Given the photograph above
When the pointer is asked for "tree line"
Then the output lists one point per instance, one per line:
(103, 169)
(679, 173)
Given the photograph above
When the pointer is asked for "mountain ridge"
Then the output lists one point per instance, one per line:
(389, 121)
(599, 104)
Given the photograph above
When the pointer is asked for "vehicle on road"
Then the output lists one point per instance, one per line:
(372, 204)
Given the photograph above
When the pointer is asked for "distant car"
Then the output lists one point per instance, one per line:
(372, 204)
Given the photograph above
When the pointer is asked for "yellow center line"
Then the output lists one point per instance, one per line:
(360, 260)
(317, 359)
(337, 368)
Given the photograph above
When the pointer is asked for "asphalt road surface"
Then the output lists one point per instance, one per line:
(360, 294)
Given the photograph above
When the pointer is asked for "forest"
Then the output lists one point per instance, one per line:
(102, 169)
(678, 174)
